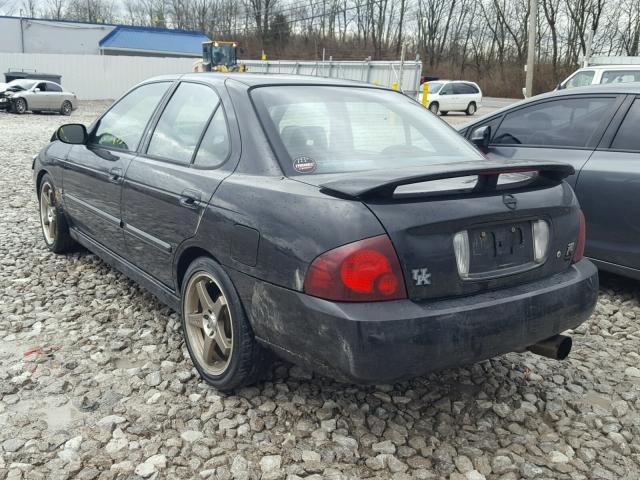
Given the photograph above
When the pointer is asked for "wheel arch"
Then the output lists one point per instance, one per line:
(41, 174)
(184, 258)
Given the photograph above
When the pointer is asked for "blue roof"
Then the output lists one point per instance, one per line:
(154, 39)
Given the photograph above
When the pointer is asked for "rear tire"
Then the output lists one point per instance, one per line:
(216, 329)
(433, 108)
(471, 109)
(55, 229)
(66, 108)
(20, 106)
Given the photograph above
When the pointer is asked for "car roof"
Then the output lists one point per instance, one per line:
(630, 66)
(263, 79)
(629, 88)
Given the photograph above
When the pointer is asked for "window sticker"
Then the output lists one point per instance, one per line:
(304, 164)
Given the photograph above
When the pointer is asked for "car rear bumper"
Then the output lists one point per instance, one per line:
(387, 341)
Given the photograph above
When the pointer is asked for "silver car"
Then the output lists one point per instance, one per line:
(38, 96)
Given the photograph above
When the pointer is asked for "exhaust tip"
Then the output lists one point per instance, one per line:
(556, 347)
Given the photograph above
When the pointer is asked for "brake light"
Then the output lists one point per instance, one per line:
(364, 271)
(582, 238)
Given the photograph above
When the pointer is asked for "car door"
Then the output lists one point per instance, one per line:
(462, 95)
(93, 174)
(36, 97)
(53, 96)
(565, 129)
(168, 186)
(447, 100)
(608, 189)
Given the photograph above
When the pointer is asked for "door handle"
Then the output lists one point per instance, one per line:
(190, 199)
(115, 175)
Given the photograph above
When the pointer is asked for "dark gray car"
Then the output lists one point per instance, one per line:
(597, 130)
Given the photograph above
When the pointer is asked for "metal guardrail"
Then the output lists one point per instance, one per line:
(384, 73)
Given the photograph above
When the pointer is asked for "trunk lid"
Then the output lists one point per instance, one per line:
(496, 204)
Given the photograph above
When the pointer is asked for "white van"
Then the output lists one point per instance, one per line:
(453, 96)
(601, 74)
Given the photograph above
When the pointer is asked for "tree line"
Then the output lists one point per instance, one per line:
(481, 40)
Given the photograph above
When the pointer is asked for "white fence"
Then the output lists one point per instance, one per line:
(103, 77)
(384, 73)
(95, 77)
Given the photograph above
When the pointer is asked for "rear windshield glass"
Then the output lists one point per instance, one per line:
(326, 129)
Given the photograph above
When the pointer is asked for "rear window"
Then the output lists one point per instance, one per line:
(620, 76)
(329, 129)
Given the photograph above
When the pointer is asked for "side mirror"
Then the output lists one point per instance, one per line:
(73, 133)
(481, 137)
(36, 90)
(560, 86)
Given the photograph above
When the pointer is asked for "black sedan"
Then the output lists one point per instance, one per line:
(597, 130)
(340, 225)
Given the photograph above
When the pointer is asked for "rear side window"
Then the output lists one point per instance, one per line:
(215, 146)
(620, 76)
(122, 127)
(182, 122)
(580, 79)
(627, 137)
(566, 122)
(464, 89)
(52, 87)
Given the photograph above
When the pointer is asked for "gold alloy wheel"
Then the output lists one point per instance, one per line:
(48, 213)
(208, 323)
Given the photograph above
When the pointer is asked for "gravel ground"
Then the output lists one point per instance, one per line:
(95, 382)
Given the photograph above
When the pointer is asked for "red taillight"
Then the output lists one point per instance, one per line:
(364, 271)
(582, 237)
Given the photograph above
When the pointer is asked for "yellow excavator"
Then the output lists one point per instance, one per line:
(219, 56)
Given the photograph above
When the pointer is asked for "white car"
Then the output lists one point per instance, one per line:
(453, 96)
(602, 74)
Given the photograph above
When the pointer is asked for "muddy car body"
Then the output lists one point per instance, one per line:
(340, 225)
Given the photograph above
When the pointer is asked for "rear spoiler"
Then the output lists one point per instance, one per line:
(384, 182)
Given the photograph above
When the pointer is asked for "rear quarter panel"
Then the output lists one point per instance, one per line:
(293, 221)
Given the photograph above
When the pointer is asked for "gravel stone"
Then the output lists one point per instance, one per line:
(96, 383)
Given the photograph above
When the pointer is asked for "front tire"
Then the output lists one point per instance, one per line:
(55, 229)
(471, 109)
(433, 107)
(20, 106)
(216, 329)
(66, 108)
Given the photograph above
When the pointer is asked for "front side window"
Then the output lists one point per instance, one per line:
(434, 87)
(42, 87)
(326, 129)
(580, 79)
(566, 122)
(620, 76)
(122, 127)
(627, 137)
(182, 122)
(447, 89)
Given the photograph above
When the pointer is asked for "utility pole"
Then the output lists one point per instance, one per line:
(587, 53)
(531, 54)
(402, 53)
